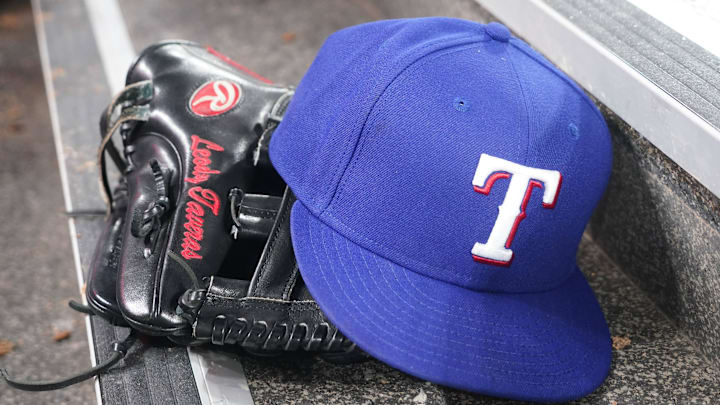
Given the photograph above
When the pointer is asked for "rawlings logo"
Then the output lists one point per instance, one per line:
(201, 198)
(194, 213)
(215, 97)
(523, 180)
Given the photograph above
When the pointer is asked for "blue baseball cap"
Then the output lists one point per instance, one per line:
(445, 172)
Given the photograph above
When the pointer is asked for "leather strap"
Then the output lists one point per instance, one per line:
(119, 349)
(261, 156)
(129, 105)
(253, 215)
(257, 323)
(277, 269)
(262, 314)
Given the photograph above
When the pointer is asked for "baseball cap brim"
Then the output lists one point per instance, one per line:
(548, 346)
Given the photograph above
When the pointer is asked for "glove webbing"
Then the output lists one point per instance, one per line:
(235, 325)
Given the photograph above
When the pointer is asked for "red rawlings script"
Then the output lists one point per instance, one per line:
(201, 199)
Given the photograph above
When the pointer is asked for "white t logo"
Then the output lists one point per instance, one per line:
(522, 181)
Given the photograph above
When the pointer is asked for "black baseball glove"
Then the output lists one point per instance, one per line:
(196, 245)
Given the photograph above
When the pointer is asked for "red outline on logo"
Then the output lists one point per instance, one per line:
(490, 182)
(557, 192)
(526, 199)
(494, 262)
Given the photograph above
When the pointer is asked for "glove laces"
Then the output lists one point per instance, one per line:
(119, 350)
(260, 337)
(150, 221)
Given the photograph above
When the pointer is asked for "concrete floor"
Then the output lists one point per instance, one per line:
(37, 275)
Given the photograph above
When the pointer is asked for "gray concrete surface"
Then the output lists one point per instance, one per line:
(278, 38)
(37, 274)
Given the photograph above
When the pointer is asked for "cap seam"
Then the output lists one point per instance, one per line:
(360, 147)
(555, 71)
(361, 143)
(456, 41)
(421, 332)
(525, 104)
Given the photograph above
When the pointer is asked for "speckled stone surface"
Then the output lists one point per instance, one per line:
(661, 227)
(657, 366)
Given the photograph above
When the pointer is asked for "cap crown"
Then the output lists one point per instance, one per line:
(384, 138)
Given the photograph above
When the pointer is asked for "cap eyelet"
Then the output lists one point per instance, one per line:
(461, 104)
(574, 131)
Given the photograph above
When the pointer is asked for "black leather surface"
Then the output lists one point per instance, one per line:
(239, 282)
(101, 283)
(149, 285)
(264, 315)
(277, 271)
(256, 216)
